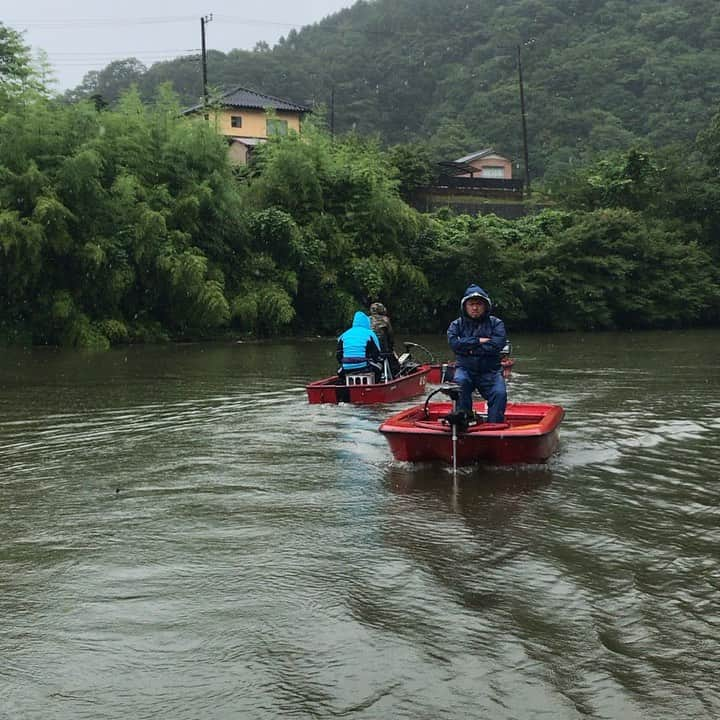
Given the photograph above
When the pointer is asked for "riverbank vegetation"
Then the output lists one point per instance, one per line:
(129, 225)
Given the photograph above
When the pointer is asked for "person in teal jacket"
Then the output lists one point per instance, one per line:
(358, 348)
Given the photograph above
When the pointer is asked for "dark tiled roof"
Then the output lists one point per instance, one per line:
(241, 97)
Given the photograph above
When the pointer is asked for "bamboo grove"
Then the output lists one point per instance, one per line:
(130, 225)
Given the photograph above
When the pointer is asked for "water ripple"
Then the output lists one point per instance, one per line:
(183, 535)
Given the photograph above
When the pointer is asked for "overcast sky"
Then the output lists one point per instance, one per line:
(83, 35)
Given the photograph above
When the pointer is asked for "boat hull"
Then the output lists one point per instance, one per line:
(435, 375)
(332, 389)
(529, 435)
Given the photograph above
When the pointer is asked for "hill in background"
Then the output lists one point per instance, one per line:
(599, 74)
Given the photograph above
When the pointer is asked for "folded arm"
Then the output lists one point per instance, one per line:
(473, 345)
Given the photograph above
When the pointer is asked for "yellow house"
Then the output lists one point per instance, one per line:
(246, 118)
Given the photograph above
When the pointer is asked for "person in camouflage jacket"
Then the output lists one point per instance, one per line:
(381, 325)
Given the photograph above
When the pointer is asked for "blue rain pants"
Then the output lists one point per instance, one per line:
(491, 385)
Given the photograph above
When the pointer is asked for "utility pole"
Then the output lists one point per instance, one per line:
(332, 112)
(524, 124)
(203, 22)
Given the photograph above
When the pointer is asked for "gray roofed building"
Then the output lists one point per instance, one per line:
(475, 156)
(242, 97)
(247, 118)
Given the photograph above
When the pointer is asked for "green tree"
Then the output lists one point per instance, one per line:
(633, 180)
(108, 84)
(118, 224)
(413, 165)
(16, 70)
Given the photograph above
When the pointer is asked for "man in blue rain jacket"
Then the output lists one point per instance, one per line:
(477, 338)
(358, 349)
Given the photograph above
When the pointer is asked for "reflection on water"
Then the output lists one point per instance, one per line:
(184, 536)
(473, 482)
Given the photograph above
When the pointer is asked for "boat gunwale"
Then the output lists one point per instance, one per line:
(401, 380)
(547, 424)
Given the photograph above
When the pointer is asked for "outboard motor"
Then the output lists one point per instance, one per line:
(456, 418)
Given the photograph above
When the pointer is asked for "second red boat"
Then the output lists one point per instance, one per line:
(363, 391)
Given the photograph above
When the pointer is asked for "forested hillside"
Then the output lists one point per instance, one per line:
(129, 224)
(599, 74)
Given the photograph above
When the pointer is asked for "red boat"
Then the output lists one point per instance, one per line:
(423, 433)
(435, 376)
(361, 389)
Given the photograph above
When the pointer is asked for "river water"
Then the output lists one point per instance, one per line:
(183, 536)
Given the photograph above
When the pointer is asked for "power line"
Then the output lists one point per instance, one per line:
(111, 57)
(106, 53)
(76, 23)
(102, 64)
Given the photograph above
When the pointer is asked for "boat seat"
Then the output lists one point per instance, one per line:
(446, 427)
(360, 379)
(486, 426)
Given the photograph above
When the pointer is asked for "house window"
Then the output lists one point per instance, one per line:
(277, 127)
(493, 171)
(236, 121)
